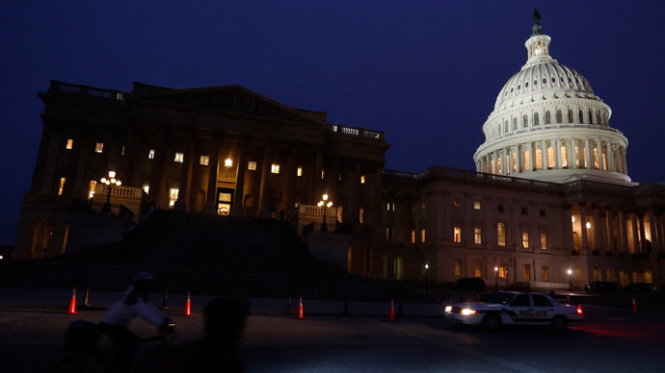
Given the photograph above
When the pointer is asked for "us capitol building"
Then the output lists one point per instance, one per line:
(549, 204)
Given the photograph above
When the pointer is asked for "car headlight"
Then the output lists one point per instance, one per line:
(468, 312)
(448, 309)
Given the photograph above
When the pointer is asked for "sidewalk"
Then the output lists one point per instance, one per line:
(40, 298)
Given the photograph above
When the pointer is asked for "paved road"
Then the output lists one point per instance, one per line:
(610, 341)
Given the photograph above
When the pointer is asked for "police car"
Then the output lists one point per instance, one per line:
(514, 308)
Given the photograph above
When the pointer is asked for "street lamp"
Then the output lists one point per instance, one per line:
(570, 279)
(426, 282)
(325, 204)
(496, 278)
(110, 182)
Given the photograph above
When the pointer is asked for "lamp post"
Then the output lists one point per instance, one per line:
(325, 204)
(570, 279)
(110, 182)
(496, 278)
(426, 282)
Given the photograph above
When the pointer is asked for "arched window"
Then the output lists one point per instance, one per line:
(564, 157)
(536, 119)
(581, 114)
(501, 234)
(505, 126)
(599, 119)
(559, 116)
(548, 117)
(570, 116)
(590, 117)
(514, 124)
(525, 121)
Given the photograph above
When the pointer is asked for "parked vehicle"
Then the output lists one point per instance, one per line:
(514, 308)
(601, 287)
(640, 288)
(469, 284)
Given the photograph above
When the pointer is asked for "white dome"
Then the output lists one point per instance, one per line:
(547, 124)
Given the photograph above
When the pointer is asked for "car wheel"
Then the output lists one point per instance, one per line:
(559, 323)
(492, 322)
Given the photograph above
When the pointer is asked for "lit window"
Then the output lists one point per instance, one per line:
(503, 270)
(361, 215)
(539, 159)
(173, 196)
(564, 157)
(146, 188)
(457, 234)
(92, 185)
(595, 158)
(422, 235)
(151, 154)
(501, 234)
(99, 147)
(251, 165)
(179, 157)
(478, 270)
(389, 233)
(527, 161)
(387, 206)
(228, 163)
(274, 168)
(61, 186)
(550, 157)
(70, 144)
(525, 239)
(323, 174)
(526, 275)
(476, 205)
(457, 203)
(546, 273)
(413, 236)
(204, 160)
(392, 206)
(477, 236)
(543, 241)
(122, 151)
(362, 179)
(458, 268)
(299, 172)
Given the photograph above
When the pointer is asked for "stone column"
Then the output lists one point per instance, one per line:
(611, 243)
(157, 172)
(622, 231)
(585, 238)
(290, 180)
(567, 225)
(597, 230)
(187, 166)
(636, 239)
(653, 231)
(532, 156)
(264, 188)
(237, 209)
(557, 153)
(641, 238)
(570, 153)
(610, 156)
(213, 170)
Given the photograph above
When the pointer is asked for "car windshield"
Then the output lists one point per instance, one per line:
(497, 297)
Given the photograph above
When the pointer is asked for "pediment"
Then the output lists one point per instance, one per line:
(231, 99)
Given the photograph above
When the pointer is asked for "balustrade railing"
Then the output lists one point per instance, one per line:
(82, 90)
(356, 131)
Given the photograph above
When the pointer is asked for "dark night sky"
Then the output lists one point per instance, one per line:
(426, 74)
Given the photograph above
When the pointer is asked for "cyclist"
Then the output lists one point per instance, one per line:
(115, 322)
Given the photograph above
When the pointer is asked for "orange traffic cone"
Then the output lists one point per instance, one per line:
(72, 303)
(634, 305)
(188, 305)
(300, 314)
(391, 316)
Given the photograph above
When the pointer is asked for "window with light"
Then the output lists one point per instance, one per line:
(477, 236)
(501, 234)
(526, 275)
(413, 236)
(457, 271)
(422, 235)
(478, 270)
(204, 160)
(361, 215)
(476, 205)
(362, 179)
(251, 165)
(543, 241)
(299, 172)
(274, 168)
(179, 157)
(546, 273)
(99, 147)
(228, 163)
(61, 186)
(151, 154)
(457, 234)
(173, 196)
(525, 239)
(503, 270)
(70, 144)
(92, 186)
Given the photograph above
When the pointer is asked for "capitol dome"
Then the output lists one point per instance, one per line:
(547, 124)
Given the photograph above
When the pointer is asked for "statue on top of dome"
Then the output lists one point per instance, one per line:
(537, 28)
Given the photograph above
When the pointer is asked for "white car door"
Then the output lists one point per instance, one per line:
(543, 308)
